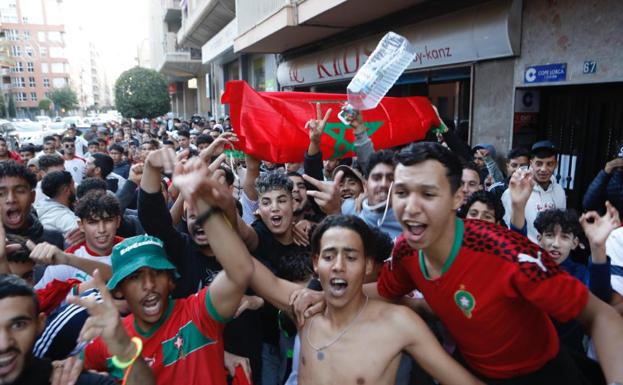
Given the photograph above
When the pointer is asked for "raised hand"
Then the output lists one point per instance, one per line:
(162, 159)
(520, 185)
(598, 228)
(328, 194)
(316, 126)
(104, 321)
(613, 164)
(226, 139)
(199, 184)
(136, 173)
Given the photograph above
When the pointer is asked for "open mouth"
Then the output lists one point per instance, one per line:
(276, 220)
(152, 305)
(14, 217)
(8, 362)
(415, 230)
(555, 254)
(337, 286)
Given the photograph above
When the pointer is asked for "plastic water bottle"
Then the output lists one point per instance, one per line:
(387, 62)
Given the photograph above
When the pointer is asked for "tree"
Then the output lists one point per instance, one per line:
(64, 98)
(45, 104)
(12, 110)
(141, 93)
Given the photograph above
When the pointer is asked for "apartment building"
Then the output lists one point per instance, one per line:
(35, 34)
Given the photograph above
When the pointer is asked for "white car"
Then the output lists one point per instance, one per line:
(43, 119)
(29, 132)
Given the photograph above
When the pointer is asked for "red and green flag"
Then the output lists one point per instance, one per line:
(271, 125)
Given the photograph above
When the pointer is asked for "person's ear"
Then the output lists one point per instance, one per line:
(315, 263)
(41, 318)
(576, 243)
(369, 265)
(457, 199)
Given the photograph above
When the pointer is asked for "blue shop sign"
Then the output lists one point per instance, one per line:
(546, 73)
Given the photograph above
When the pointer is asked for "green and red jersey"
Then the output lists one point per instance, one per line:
(495, 295)
(185, 347)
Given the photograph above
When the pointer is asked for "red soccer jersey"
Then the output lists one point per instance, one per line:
(494, 297)
(186, 347)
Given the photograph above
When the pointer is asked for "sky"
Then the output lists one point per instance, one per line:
(118, 28)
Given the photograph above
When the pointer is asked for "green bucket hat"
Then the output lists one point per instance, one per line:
(135, 253)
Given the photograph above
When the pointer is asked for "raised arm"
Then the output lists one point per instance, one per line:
(199, 185)
(520, 187)
(597, 229)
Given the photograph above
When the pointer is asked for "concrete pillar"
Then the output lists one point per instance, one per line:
(203, 103)
(492, 115)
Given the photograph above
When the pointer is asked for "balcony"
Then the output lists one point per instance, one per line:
(277, 25)
(179, 63)
(202, 19)
(172, 14)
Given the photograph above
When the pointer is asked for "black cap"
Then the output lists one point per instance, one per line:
(544, 145)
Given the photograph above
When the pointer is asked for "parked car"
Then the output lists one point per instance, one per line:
(30, 132)
(7, 130)
(43, 119)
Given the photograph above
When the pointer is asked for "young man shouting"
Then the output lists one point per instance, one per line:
(182, 339)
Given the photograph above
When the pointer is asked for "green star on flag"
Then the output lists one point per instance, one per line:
(338, 132)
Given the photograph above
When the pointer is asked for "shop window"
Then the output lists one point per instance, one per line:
(258, 74)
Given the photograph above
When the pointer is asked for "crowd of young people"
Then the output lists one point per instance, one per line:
(147, 252)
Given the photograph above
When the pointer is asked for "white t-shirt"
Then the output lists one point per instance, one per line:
(614, 249)
(76, 167)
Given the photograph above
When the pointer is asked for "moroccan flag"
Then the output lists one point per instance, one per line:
(271, 125)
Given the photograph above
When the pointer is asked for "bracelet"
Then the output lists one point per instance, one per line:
(138, 344)
(201, 218)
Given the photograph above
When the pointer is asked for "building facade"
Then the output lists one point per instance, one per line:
(35, 33)
(506, 72)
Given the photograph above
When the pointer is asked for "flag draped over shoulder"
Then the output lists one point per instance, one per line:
(271, 125)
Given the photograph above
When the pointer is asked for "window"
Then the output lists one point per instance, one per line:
(30, 66)
(21, 82)
(18, 67)
(43, 51)
(28, 51)
(16, 51)
(31, 82)
(11, 34)
(26, 35)
(46, 83)
(33, 96)
(21, 96)
(45, 68)
(58, 52)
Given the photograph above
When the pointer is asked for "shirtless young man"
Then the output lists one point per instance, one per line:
(356, 340)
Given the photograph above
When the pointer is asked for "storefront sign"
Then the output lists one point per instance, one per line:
(546, 73)
(450, 39)
(527, 100)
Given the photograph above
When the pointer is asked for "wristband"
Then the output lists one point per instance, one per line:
(201, 218)
(138, 344)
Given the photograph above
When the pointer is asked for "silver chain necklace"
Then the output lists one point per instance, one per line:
(319, 350)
